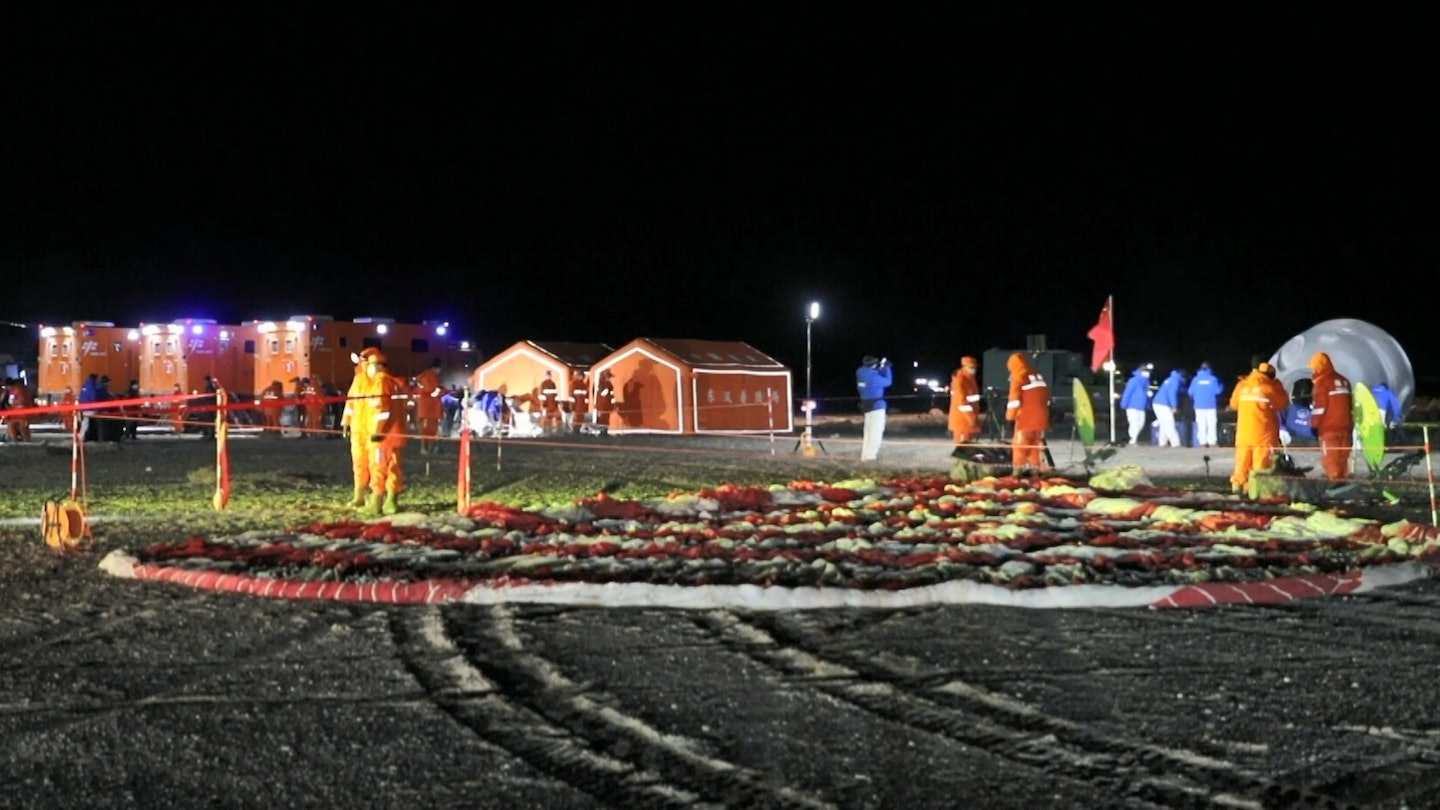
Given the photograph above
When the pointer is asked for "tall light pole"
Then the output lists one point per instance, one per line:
(807, 444)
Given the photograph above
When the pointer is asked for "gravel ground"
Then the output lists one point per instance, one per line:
(126, 694)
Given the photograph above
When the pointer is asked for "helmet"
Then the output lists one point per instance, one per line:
(870, 360)
(968, 362)
(373, 355)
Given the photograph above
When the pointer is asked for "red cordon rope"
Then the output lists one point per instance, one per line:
(435, 591)
(390, 593)
(1268, 592)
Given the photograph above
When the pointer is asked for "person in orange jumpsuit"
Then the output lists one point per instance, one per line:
(604, 400)
(272, 402)
(355, 413)
(209, 411)
(1258, 400)
(177, 410)
(548, 395)
(428, 407)
(579, 400)
(1332, 416)
(387, 403)
(67, 418)
(965, 402)
(312, 402)
(18, 396)
(297, 411)
(130, 425)
(1028, 407)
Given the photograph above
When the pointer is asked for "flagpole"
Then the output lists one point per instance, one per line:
(1103, 335)
(1110, 304)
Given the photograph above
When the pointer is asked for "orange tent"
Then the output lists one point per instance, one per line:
(697, 386)
(518, 370)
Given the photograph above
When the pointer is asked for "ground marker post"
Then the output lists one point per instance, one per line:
(462, 482)
(1430, 475)
(770, 412)
(222, 451)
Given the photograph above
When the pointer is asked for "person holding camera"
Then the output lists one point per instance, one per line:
(871, 380)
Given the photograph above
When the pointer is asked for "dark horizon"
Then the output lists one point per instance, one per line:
(942, 184)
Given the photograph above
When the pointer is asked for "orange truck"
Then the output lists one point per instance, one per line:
(187, 351)
(244, 358)
(318, 345)
(69, 354)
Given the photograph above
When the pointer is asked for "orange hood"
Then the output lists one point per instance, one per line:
(1018, 365)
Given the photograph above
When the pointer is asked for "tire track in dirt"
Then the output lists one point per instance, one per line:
(1310, 621)
(486, 679)
(1392, 776)
(1407, 772)
(1409, 777)
(82, 629)
(1063, 750)
(81, 709)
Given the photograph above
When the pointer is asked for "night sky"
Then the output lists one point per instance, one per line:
(942, 183)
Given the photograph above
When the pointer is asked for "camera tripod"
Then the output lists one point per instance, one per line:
(806, 444)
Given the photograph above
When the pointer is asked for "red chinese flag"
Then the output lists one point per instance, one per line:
(1103, 333)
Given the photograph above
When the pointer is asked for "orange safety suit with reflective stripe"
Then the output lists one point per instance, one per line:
(428, 407)
(1332, 416)
(386, 401)
(272, 402)
(965, 404)
(548, 395)
(313, 400)
(1258, 401)
(579, 399)
(357, 418)
(604, 399)
(67, 418)
(18, 427)
(1028, 407)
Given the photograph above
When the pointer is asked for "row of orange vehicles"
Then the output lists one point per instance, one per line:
(244, 358)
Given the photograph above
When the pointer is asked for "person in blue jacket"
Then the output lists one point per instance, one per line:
(1135, 400)
(1389, 404)
(89, 392)
(1165, 404)
(871, 379)
(1205, 389)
